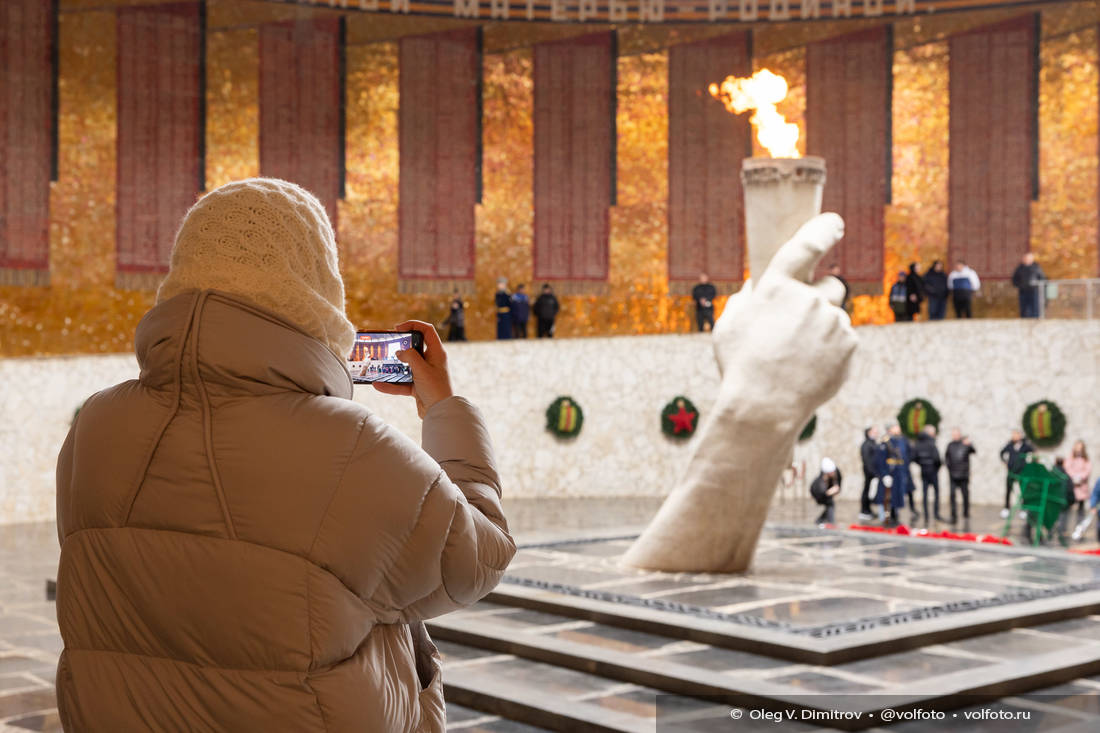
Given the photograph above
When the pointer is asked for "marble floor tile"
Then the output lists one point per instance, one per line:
(563, 574)
(566, 683)
(897, 669)
(460, 714)
(731, 595)
(44, 722)
(1013, 644)
(460, 652)
(23, 702)
(905, 592)
(18, 682)
(1071, 696)
(834, 610)
(644, 587)
(817, 682)
(46, 642)
(638, 702)
(725, 660)
(614, 638)
(1086, 628)
(523, 619)
(15, 663)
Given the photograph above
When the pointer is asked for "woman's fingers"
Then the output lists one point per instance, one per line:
(433, 345)
(431, 382)
(413, 358)
(404, 390)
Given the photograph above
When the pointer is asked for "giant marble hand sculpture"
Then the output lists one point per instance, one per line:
(783, 349)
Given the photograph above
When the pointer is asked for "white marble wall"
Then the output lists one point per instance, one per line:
(979, 374)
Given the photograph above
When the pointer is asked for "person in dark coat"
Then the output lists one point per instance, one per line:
(894, 468)
(456, 319)
(935, 287)
(957, 457)
(824, 488)
(1014, 455)
(868, 453)
(521, 311)
(914, 290)
(504, 310)
(899, 299)
(546, 310)
(1028, 278)
(704, 294)
(927, 456)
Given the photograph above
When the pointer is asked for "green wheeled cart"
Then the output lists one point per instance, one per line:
(1042, 496)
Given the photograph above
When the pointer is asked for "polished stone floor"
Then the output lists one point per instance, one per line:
(891, 674)
(848, 577)
(816, 582)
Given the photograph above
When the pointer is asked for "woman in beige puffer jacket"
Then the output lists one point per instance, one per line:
(243, 547)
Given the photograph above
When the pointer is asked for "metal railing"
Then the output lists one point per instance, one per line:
(1070, 299)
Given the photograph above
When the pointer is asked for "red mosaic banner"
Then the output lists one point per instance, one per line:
(159, 129)
(301, 131)
(992, 137)
(26, 139)
(438, 134)
(574, 148)
(848, 81)
(706, 145)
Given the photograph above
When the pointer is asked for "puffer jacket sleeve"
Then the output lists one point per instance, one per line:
(64, 480)
(414, 532)
(478, 547)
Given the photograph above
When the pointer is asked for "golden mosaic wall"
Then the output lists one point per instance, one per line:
(82, 312)
(1064, 220)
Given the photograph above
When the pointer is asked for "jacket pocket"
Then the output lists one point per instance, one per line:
(429, 672)
(425, 655)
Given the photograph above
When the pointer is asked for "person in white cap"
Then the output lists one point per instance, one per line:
(824, 488)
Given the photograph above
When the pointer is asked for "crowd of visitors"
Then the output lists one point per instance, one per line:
(513, 311)
(911, 289)
(906, 298)
(888, 483)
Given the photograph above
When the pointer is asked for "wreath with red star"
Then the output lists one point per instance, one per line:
(679, 418)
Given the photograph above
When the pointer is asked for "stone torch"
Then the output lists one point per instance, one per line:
(782, 192)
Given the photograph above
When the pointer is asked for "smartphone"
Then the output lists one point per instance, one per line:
(373, 358)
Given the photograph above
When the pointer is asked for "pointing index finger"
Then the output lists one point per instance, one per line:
(800, 255)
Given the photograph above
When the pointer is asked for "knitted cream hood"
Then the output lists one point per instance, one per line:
(270, 242)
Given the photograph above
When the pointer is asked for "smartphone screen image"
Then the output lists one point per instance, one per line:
(373, 358)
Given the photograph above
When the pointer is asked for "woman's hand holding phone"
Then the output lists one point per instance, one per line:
(431, 381)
